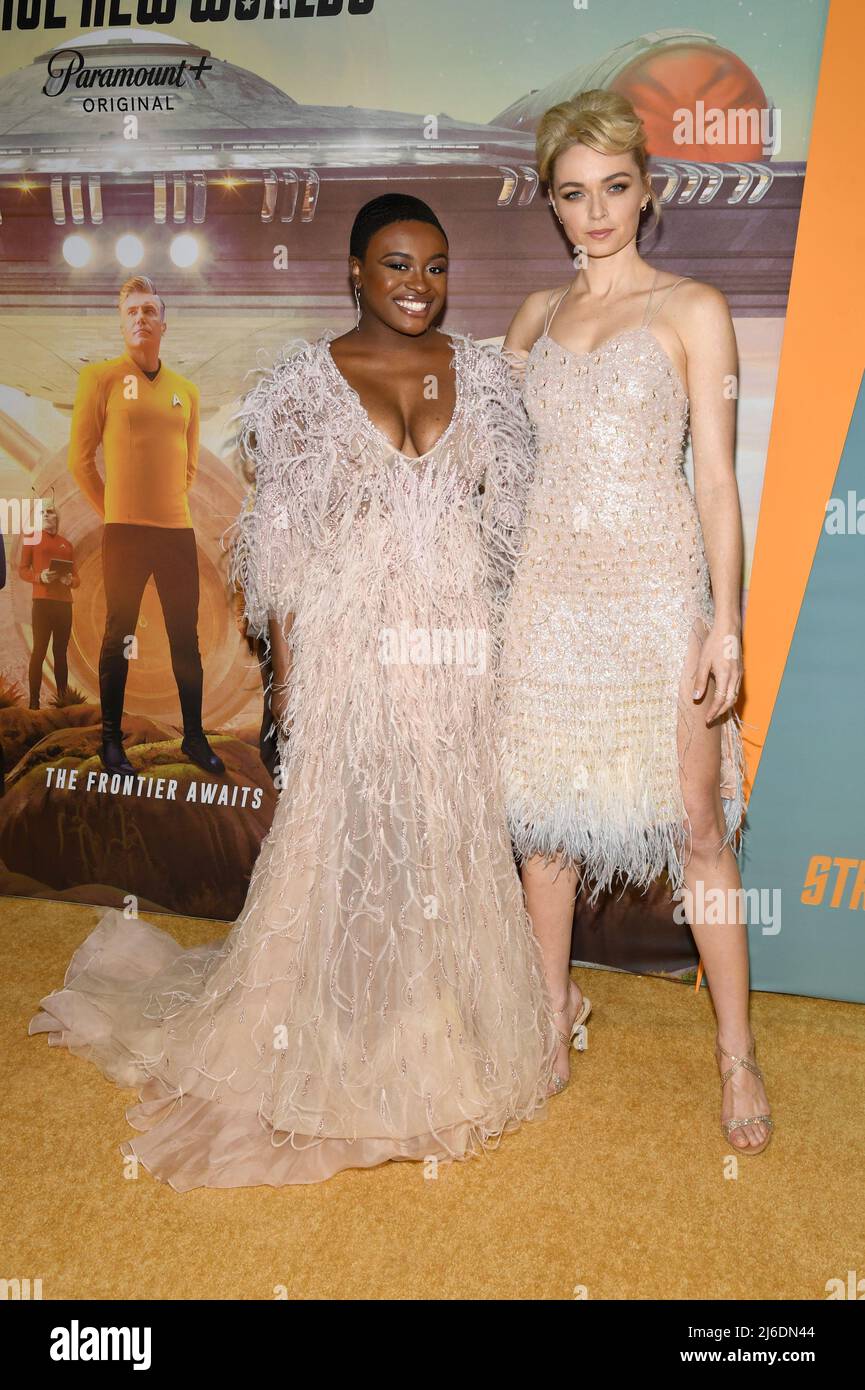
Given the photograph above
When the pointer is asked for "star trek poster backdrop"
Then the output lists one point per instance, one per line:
(221, 148)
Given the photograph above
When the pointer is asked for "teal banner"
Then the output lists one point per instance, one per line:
(804, 858)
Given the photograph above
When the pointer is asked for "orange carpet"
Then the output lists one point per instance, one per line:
(623, 1191)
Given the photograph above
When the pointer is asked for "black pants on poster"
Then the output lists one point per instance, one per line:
(131, 553)
(52, 622)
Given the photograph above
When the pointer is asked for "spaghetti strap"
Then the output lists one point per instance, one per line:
(550, 316)
(649, 300)
(665, 294)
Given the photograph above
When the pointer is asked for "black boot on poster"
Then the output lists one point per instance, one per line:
(196, 747)
(114, 757)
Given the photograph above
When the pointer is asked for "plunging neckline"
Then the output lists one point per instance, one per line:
(674, 371)
(456, 363)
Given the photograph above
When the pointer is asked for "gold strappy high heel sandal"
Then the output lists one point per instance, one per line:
(729, 1125)
(576, 1038)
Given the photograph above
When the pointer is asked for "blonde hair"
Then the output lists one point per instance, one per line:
(139, 284)
(604, 121)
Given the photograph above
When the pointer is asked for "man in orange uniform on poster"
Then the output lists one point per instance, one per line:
(50, 567)
(146, 417)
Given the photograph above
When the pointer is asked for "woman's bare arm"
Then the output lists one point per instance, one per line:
(526, 325)
(702, 320)
(280, 662)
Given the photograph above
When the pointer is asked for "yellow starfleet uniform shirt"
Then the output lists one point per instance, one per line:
(149, 436)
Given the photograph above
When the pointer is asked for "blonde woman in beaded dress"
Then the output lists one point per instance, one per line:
(621, 751)
(381, 995)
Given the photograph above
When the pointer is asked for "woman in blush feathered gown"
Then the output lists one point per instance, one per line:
(381, 995)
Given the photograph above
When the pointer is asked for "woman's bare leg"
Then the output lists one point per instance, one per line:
(723, 945)
(551, 892)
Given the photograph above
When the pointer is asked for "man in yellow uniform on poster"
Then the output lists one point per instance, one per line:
(146, 417)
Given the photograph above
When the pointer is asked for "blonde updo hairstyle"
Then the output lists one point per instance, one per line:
(605, 121)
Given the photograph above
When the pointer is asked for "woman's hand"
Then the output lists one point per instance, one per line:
(280, 662)
(279, 702)
(517, 361)
(721, 657)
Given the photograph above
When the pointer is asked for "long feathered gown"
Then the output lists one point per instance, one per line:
(381, 995)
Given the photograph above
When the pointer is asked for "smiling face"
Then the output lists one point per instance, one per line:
(141, 321)
(403, 276)
(598, 197)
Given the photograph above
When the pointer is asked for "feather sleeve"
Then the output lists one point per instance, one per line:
(276, 441)
(510, 445)
(511, 451)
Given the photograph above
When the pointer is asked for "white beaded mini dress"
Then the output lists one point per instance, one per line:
(611, 603)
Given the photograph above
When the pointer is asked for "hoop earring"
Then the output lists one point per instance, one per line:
(357, 302)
